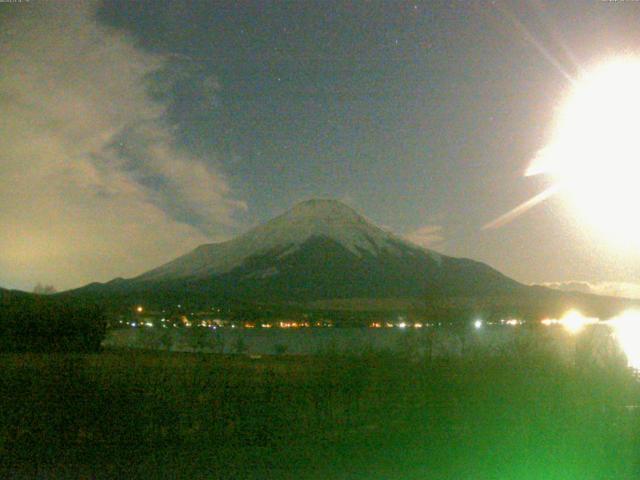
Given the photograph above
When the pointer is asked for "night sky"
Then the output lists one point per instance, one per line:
(131, 132)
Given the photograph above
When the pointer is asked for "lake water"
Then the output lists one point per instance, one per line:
(434, 341)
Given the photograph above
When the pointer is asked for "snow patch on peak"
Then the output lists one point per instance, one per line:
(323, 218)
(323, 209)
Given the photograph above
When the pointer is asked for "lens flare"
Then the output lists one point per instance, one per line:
(594, 154)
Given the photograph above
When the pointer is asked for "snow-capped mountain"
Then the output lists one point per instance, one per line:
(323, 254)
(284, 235)
(317, 251)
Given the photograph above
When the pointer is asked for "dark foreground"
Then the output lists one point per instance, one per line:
(157, 415)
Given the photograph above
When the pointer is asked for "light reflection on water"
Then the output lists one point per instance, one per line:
(626, 330)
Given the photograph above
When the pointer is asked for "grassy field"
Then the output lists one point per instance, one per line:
(123, 414)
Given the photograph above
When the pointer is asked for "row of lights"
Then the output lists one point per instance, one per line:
(626, 327)
(573, 321)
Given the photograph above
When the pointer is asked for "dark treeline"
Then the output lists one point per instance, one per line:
(519, 415)
(36, 323)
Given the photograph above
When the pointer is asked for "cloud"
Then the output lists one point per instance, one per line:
(427, 236)
(613, 289)
(92, 182)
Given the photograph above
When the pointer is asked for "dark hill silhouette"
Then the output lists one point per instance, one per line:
(41, 323)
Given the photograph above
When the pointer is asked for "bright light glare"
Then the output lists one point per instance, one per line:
(574, 321)
(594, 154)
(477, 324)
(626, 329)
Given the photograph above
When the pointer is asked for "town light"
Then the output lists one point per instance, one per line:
(573, 321)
